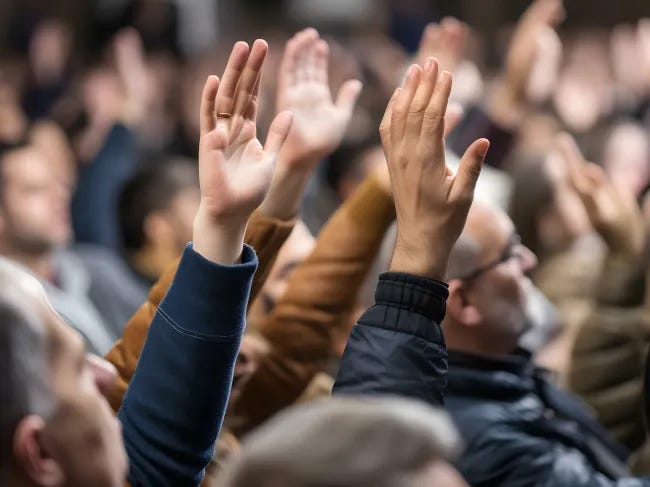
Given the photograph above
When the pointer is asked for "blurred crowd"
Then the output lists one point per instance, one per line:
(526, 317)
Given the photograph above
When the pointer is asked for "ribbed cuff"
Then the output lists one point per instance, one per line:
(421, 295)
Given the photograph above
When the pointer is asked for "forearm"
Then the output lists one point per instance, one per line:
(266, 235)
(398, 347)
(174, 407)
(286, 192)
(95, 200)
(329, 279)
(320, 296)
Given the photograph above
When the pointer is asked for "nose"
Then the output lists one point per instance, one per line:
(104, 372)
(528, 259)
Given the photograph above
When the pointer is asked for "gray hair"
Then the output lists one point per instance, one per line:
(464, 256)
(378, 442)
(23, 383)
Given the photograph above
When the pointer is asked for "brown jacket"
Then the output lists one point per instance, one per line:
(608, 356)
(320, 296)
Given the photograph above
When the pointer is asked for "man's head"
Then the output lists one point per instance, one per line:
(345, 441)
(34, 202)
(157, 208)
(57, 428)
(486, 309)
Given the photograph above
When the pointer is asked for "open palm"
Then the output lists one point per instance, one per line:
(235, 170)
(319, 122)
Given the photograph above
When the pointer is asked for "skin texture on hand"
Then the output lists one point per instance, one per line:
(612, 209)
(319, 121)
(235, 170)
(431, 201)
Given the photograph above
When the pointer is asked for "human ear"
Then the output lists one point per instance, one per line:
(30, 455)
(459, 305)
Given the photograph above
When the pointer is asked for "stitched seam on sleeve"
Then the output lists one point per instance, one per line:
(204, 336)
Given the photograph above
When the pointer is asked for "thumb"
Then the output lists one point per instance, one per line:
(348, 94)
(470, 167)
(278, 132)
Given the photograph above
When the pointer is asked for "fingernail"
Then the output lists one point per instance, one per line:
(485, 149)
(427, 64)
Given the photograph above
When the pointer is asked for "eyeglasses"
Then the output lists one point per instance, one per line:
(513, 249)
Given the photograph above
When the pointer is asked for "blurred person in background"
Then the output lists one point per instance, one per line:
(88, 285)
(606, 361)
(553, 223)
(156, 212)
(56, 427)
(318, 445)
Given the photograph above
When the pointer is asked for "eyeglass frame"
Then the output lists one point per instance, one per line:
(510, 251)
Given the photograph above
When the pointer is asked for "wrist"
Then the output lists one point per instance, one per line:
(220, 242)
(285, 194)
(419, 260)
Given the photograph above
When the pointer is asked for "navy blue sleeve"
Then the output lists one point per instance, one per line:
(176, 401)
(94, 205)
(398, 347)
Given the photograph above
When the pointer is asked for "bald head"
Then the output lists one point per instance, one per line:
(482, 239)
(487, 285)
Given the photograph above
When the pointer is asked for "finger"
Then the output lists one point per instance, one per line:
(453, 116)
(207, 119)
(422, 97)
(286, 75)
(433, 123)
(249, 77)
(470, 168)
(251, 110)
(575, 163)
(429, 40)
(348, 95)
(402, 103)
(321, 62)
(549, 12)
(307, 38)
(278, 132)
(310, 62)
(226, 95)
(384, 126)
(595, 175)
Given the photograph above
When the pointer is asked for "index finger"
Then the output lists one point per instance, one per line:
(207, 118)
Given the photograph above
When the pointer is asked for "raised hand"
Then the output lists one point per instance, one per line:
(430, 200)
(533, 36)
(319, 123)
(523, 49)
(132, 70)
(612, 209)
(445, 41)
(235, 170)
(303, 88)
